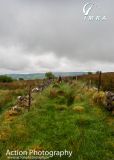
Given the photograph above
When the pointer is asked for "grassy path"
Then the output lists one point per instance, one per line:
(62, 117)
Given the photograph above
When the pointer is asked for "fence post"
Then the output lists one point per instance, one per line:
(29, 101)
(90, 83)
(99, 81)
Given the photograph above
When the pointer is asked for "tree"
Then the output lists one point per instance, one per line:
(49, 75)
(21, 79)
(4, 78)
(90, 73)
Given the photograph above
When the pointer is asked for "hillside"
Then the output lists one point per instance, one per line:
(63, 116)
(42, 75)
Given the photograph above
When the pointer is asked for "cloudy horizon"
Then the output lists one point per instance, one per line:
(51, 35)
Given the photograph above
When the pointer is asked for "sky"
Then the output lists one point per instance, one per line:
(52, 35)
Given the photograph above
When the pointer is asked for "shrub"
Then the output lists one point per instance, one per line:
(99, 98)
(53, 93)
(70, 96)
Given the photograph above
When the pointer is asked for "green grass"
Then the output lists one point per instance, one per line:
(52, 124)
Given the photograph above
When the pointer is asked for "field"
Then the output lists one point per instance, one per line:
(107, 80)
(10, 91)
(63, 116)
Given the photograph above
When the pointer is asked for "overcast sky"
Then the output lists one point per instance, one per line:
(51, 35)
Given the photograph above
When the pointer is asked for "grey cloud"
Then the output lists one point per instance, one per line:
(10, 59)
(43, 26)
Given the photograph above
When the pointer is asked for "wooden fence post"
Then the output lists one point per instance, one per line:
(90, 83)
(29, 101)
(99, 81)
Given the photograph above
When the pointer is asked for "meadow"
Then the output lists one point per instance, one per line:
(63, 116)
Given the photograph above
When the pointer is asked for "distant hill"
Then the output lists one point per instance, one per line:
(42, 75)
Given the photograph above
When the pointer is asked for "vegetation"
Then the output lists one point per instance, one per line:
(90, 73)
(4, 78)
(49, 75)
(64, 116)
(107, 80)
(21, 79)
(10, 91)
